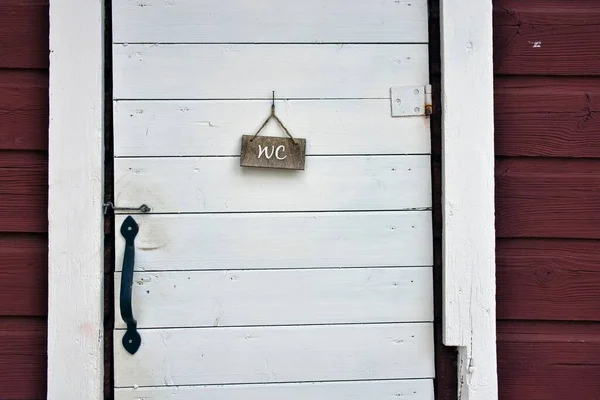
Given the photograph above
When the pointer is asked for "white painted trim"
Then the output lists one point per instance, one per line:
(468, 194)
(75, 331)
(76, 179)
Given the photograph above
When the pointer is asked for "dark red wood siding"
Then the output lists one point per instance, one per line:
(547, 102)
(23, 198)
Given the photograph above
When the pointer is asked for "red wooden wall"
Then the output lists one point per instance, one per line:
(23, 198)
(547, 62)
(547, 102)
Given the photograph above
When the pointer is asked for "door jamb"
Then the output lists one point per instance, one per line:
(76, 185)
(468, 244)
(75, 215)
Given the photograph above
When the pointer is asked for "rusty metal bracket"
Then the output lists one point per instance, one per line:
(411, 101)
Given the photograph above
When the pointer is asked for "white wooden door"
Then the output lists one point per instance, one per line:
(259, 284)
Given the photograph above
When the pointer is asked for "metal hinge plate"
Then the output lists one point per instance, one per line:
(410, 101)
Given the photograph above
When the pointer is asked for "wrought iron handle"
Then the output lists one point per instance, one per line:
(131, 339)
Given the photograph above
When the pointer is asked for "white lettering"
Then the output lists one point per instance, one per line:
(282, 148)
(266, 151)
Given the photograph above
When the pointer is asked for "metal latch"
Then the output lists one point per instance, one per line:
(143, 208)
(409, 101)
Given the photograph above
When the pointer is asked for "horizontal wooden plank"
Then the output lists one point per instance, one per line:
(548, 361)
(548, 135)
(280, 297)
(23, 191)
(189, 71)
(198, 128)
(221, 185)
(421, 389)
(549, 198)
(276, 354)
(270, 21)
(22, 358)
(23, 275)
(546, 37)
(23, 109)
(24, 28)
(544, 12)
(297, 240)
(531, 274)
(534, 95)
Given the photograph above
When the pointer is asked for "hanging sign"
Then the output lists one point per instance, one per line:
(273, 152)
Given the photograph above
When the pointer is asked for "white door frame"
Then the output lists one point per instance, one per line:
(469, 278)
(76, 187)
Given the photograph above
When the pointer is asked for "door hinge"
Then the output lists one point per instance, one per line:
(410, 101)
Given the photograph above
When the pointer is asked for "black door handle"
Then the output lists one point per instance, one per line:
(131, 339)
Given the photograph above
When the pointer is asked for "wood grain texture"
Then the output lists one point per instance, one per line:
(198, 128)
(22, 358)
(24, 34)
(467, 137)
(274, 240)
(75, 212)
(23, 191)
(273, 152)
(554, 278)
(280, 297)
(187, 71)
(550, 198)
(221, 185)
(276, 354)
(548, 360)
(421, 389)
(533, 95)
(548, 279)
(559, 37)
(548, 134)
(23, 109)
(23, 275)
(311, 21)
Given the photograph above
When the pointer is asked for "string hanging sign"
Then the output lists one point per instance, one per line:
(272, 151)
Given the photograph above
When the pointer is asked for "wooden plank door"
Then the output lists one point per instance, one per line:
(273, 284)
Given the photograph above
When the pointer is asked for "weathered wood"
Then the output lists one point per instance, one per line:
(551, 198)
(24, 34)
(188, 71)
(252, 231)
(467, 157)
(23, 191)
(22, 358)
(277, 354)
(23, 109)
(547, 116)
(421, 389)
(545, 13)
(548, 360)
(273, 152)
(280, 297)
(23, 275)
(532, 274)
(311, 21)
(539, 37)
(525, 94)
(218, 184)
(199, 128)
(23, 198)
(279, 240)
(548, 135)
(76, 188)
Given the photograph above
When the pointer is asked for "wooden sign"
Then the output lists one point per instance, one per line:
(272, 152)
